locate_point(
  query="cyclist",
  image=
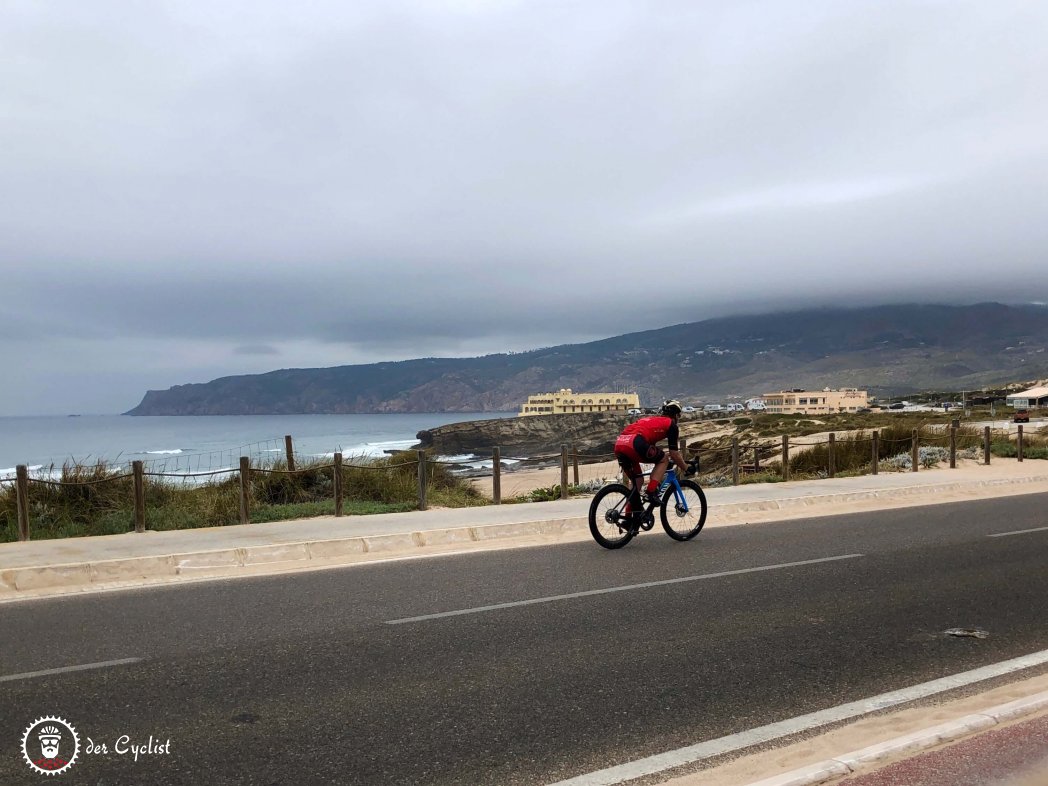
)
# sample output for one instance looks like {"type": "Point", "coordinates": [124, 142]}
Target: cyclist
{"type": "Point", "coordinates": [637, 444]}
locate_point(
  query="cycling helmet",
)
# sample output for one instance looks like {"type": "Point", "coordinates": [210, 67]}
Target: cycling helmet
{"type": "Point", "coordinates": [671, 408]}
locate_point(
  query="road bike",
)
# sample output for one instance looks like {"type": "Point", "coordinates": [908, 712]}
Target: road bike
{"type": "Point", "coordinates": [681, 504]}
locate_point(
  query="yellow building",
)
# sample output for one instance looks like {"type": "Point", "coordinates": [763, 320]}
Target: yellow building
{"type": "Point", "coordinates": [815, 402]}
{"type": "Point", "coordinates": [565, 402]}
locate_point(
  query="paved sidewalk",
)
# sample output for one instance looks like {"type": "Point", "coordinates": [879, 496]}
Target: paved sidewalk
{"type": "Point", "coordinates": [47, 567]}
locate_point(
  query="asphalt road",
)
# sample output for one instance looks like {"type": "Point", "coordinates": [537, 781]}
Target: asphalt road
{"type": "Point", "coordinates": [361, 676]}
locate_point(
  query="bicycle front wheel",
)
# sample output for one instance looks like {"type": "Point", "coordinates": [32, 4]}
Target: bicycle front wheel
{"type": "Point", "coordinates": [683, 517]}
{"type": "Point", "coordinates": [608, 522]}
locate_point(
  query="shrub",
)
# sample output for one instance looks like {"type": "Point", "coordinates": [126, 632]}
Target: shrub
{"type": "Point", "coordinates": [850, 452]}
{"type": "Point", "coordinates": [900, 461]}
{"type": "Point", "coordinates": [1004, 449]}
{"type": "Point", "coordinates": [551, 493]}
{"type": "Point", "coordinates": [715, 481]}
{"type": "Point", "coordinates": [929, 456]}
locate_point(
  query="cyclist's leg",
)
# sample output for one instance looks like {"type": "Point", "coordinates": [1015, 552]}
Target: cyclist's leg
{"type": "Point", "coordinates": [634, 473]}
{"type": "Point", "coordinates": [661, 460]}
{"type": "Point", "coordinates": [629, 462]}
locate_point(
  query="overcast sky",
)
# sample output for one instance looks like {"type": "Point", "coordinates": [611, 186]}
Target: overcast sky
{"type": "Point", "coordinates": [194, 189]}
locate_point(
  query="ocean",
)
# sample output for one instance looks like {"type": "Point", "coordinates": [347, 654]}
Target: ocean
{"type": "Point", "coordinates": [206, 443]}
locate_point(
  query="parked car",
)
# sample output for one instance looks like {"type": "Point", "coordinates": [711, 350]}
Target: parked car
{"type": "Point", "coordinates": [896, 405]}
{"type": "Point", "coordinates": [689, 409]}
{"type": "Point", "coordinates": [1021, 416]}
{"type": "Point", "coordinates": [633, 412]}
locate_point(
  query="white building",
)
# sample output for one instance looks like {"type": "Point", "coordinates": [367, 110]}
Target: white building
{"type": "Point", "coordinates": [565, 401]}
{"type": "Point", "coordinates": [815, 402]}
{"type": "Point", "coordinates": [1028, 399]}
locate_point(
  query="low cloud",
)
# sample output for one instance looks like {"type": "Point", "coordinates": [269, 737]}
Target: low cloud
{"type": "Point", "coordinates": [353, 183]}
{"type": "Point", "coordinates": [256, 349]}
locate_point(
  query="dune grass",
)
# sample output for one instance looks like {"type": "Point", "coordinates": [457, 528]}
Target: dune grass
{"type": "Point", "coordinates": [98, 499]}
{"type": "Point", "coordinates": [853, 452]}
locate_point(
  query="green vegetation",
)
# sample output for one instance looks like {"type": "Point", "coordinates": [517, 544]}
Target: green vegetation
{"type": "Point", "coordinates": [1035, 445]}
{"type": "Point", "coordinates": [853, 452]}
{"type": "Point", "coordinates": [99, 499]}
{"type": "Point", "coordinates": [550, 493]}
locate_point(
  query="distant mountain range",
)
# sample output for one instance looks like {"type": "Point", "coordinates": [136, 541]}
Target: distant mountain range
{"type": "Point", "coordinates": [888, 350]}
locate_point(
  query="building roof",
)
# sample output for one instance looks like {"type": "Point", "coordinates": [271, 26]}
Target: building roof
{"type": "Point", "coordinates": [1040, 392]}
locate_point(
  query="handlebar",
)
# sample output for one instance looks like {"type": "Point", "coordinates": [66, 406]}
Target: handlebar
{"type": "Point", "coordinates": [692, 467]}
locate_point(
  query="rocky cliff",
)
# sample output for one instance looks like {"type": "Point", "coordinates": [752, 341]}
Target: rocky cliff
{"type": "Point", "coordinates": [591, 433]}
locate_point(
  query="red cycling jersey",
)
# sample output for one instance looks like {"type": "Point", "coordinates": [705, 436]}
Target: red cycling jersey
{"type": "Point", "coordinates": [636, 443]}
{"type": "Point", "coordinates": [655, 428]}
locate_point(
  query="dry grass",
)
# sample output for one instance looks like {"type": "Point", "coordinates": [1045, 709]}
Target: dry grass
{"type": "Point", "coordinates": [98, 499]}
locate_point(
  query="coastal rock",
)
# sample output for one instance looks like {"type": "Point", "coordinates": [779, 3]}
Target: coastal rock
{"type": "Point", "coordinates": [590, 433]}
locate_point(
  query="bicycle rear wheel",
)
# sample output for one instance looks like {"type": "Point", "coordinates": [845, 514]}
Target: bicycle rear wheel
{"type": "Point", "coordinates": [608, 521]}
{"type": "Point", "coordinates": [683, 518]}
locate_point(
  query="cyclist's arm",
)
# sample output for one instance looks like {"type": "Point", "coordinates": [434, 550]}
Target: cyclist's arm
{"type": "Point", "coordinates": [673, 447]}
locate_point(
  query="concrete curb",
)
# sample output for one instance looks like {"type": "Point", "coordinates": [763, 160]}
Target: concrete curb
{"type": "Point", "coordinates": [909, 744]}
{"type": "Point", "coordinates": [233, 561]}
{"type": "Point", "coordinates": [814, 500]}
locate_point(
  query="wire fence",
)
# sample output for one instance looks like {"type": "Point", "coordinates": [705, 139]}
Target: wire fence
{"type": "Point", "coordinates": [268, 480]}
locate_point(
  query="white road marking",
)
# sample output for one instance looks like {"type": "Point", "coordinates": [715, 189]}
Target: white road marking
{"type": "Point", "coordinates": [733, 742]}
{"type": "Point", "coordinates": [1017, 532]}
{"type": "Point", "coordinates": [587, 593]}
{"type": "Point", "coordinates": [26, 675]}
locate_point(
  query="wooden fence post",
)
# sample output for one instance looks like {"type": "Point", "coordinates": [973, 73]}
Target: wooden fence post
{"type": "Point", "coordinates": [953, 443]}
{"type": "Point", "coordinates": [563, 471]}
{"type": "Point", "coordinates": [138, 471]}
{"type": "Point", "coordinates": [575, 463]}
{"type": "Point", "coordinates": [496, 476]}
{"type": "Point", "coordinates": [735, 461]}
{"type": "Point", "coordinates": [756, 459]}
{"type": "Point", "coordinates": [22, 500]}
{"type": "Point", "coordinates": [245, 489]}
{"type": "Point", "coordinates": [289, 448]}
{"type": "Point", "coordinates": [915, 451]}
{"type": "Point", "coordinates": [1019, 454]}
{"type": "Point", "coordinates": [986, 445]}
{"type": "Point", "coordinates": [785, 457]}
{"type": "Point", "coordinates": [338, 484]}
{"type": "Point", "coordinates": [832, 455]}
{"type": "Point", "coordinates": [875, 460]}
{"type": "Point", "coordinates": [422, 480]}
